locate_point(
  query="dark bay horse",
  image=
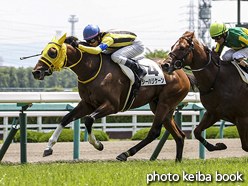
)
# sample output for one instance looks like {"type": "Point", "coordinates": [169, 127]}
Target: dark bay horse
{"type": "Point", "coordinates": [103, 89]}
{"type": "Point", "coordinates": [222, 91]}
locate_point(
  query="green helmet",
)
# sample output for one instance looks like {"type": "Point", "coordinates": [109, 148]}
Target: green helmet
{"type": "Point", "coordinates": [217, 28]}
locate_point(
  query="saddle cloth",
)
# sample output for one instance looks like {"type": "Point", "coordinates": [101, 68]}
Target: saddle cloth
{"type": "Point", "coordinates": [243, 74]}
{"type": "Point", "coordinates": [154, 76]}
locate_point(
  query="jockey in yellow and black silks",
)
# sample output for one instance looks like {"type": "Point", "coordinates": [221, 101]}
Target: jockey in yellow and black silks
{"type": "Point", "coordinates": [122, 45]}
{"type": "Point", "coordinates": [235, 38]}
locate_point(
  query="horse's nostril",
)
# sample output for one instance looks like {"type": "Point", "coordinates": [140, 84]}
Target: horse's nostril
{"type": "Point", "coordinates": [38, 74]}
{"type": "Point", "coordinates": [35, 72]}
{"type": "Point", "coordinates": [165, 66]}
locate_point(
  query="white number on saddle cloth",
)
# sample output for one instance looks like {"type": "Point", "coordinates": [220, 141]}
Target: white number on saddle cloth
{"type": "Point", "coordinates": [154, 76]}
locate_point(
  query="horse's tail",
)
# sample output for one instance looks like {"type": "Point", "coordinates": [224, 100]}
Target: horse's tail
{"type": "Point", "coordinates": [192, 81]}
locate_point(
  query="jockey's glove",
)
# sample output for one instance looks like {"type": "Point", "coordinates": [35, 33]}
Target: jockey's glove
{"type": "Point", "coordinates": [242, 62]}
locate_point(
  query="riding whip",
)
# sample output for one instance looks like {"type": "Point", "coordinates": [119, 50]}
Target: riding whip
{"type": "Point", "coordinates": [21, 58]}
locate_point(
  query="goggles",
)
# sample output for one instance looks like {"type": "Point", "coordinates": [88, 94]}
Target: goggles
{"type": "Point", "coordinates": [217, 37]}
{"type": "Point", "coordinates": [91, 41]}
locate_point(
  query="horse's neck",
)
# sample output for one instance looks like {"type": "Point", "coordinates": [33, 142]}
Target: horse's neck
{"type": "Point", "coordinates": [88, 65]}
{"type": "Point", "coordinates": [205, 77]}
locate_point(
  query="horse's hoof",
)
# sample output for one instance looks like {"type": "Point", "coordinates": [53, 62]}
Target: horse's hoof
{"type": "Point", "coordinates": [220, 146]}
{"type": "Point", "coordinates": [47, 152]}
{"type": "Point", "coordinates": [122, 157]}
{"type": "Point", "coordinates": [178, 160]}
{"type": "Point", "coordinates": [100, 148]}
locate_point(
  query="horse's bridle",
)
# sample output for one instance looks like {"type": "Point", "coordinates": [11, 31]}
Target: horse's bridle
{"type": "Point", "coordinates": [52, 67]}
{"type": "Point", "coordinates": [180, 61]}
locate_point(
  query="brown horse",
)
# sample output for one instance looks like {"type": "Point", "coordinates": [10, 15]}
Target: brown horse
{"type": "Point", "coordinates": [103, 89]}
{"type": "Point", "coordinates": [222, 91]}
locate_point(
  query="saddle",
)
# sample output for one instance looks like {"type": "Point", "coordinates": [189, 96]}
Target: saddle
{"type": "Point", "coordinates": [243, 72]}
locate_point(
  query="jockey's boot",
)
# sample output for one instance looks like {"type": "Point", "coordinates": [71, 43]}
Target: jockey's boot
{"type": "Point", "coordinates": [139, 72]}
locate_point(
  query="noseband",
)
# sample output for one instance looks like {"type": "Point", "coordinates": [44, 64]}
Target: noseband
{"type": "Point", "coordinates": [178, 63]}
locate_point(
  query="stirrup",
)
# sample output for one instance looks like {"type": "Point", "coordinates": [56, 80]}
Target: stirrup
{"type": "Point", "coordinates": [141, 72]}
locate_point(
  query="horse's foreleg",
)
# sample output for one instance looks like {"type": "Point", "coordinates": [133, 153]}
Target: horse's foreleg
{"type": "Point", "coordinates": [52, 140]}
{"type": "Point", "coordinates": [105, 109]}
{"type": "Point", "coordinates": [89, 120]}
{"type": "Point", "coordinates": [152, 135]}
{"type": "Point", "coordinates": [207, 121]}
{"type": "Point", "coordinates": [242, 126]}
{"type": "Point", "coordinates": [76, 113]}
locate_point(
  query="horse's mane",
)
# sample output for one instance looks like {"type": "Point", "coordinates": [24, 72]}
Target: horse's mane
{"type": "Point", "coordinates": [215, 54]}
{"type": "Point", "coordinates": [191, 35]}
{"type": "Point", "coordinates": [71, 39]}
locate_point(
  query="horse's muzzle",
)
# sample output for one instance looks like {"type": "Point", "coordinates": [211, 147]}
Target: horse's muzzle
{"type": "Point", "coordinates": [166, 68]}
{"type": "Point", "coordinates": [38, 74]}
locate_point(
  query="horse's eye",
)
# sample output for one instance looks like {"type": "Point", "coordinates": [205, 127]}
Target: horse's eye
{"type": "Point", "coordinates": [182, 48]}
{"type": "Point", "coordinates": [52, 53]}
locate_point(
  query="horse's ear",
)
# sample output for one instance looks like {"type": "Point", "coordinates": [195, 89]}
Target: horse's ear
{"type": "Point", "coordinates": [193, 35]}
{"type": "Point", "coordinates": [62, 39]}
{"type": "Point", "coordinates": [54, 39]}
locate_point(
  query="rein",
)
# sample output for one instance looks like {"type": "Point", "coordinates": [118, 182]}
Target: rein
{"type": "Point", "coordinates": [89, 80]}
{"type": "Point", "coordinates": [200, 69]}
{"type": "Point", "coordinates": [73, 65]}
{"type": "Point", "coordinates": [216, 77]}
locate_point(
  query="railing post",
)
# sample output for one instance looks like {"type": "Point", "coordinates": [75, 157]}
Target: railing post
{"type": "Point", "coordinates": [104, 124]}
{"type": "Point", "coordinates": [193, 126]}
{"type": "Point", "coordinates": [221, 128]}
{"type": "Point", "coordinates": [76, 139]}
{"type": "Point", "coordinates": [134, 121]}
{"type": "Point", "coordinates": [160, 145]}
{"type": "Point", "coordinates": [5, 129]}
{"type": "Point", "coordinates": [13, 130]}
{"type": "Point", "coordinates": [85, 134]}
{"type": "Point", "coordinates": [39, 122]}
{"type": "Point", "coordinates": [23, 130]}
{"type": "Point", "coordinates": [23, 136]}
{"type": "Point", "coordinates": [201, 146]}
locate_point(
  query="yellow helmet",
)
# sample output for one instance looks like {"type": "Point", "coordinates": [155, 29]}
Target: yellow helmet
{"type": "Point", "coordinates": [217, 28]}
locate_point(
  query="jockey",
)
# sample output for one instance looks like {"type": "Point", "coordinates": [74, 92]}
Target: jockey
{"type": "Point", "coordinates": [234, 38]}
{"type": "Point", "coordinates": [122, 45]}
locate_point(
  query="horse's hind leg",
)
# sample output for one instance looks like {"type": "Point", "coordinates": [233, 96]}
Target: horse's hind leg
{"type": "Point", "coordinates": [80, 111]}
{"type": "Point", "coordinates": [242, 126]}
{"type": "Point", "coordinates": [105, 109]}
{"type": "Point", "coordinates": [207, 121]}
